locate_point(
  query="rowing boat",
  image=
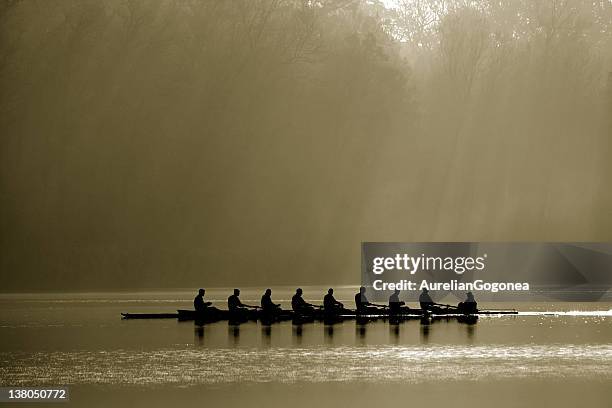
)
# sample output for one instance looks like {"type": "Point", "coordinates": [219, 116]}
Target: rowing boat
{"type": "Point", "coordinates": [215, 315]}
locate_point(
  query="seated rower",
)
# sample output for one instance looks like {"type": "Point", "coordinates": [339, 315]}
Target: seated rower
{"type": "Point", "coordinates": [235, 305]}
{"type": "Point", "coordinates": [331, 305]}
{"type": "Point", "coordinates": [426, 301]}
{"type": "Point", "coordinates": [266, 303]}
{"type": "Point", "coordinates": [299, 305]}
{"type": "Point", "coordinates": [198, 303]}
{"type": "Point", "coordinates": [362, 304]}
{"type": "Point", "coordinates": [395, 304]}
{"type": "Point", "coordinates": [469, 305]}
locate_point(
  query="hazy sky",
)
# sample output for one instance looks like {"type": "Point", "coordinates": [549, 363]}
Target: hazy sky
{"type": "Point", "coordinates": [172, 144]}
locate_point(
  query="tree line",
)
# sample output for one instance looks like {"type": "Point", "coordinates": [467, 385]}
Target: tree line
{"type": "Point", "coordinates": [159, 143]}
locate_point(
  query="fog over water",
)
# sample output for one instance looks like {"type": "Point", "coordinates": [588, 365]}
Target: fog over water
{"type": "Point", "coordinates": [164, 144]}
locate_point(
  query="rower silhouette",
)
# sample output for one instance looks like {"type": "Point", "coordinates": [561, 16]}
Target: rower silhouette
{"type": "Point", "coordinates": [363, 305]}
{"type": "Point", "coordinates": [266, 303]}
{"type": "Point", "coordinates": [299, 305]}
{"type": "Point", "coordinates": [425, 300]}
{"type": "Point", "coordinates": [469, 305]}
{"type": "Point", "coordinates": [235, 305]}
{"type": "Point", "coordinates": [395, 304]}
{"type": "Point", "coordinates": [200, 305]}
{"type": "Point", "coordinates": [331, 305]}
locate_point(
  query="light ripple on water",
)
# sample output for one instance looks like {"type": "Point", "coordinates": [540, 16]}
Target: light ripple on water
{"type": "Point", "coordinates": [190, 366]}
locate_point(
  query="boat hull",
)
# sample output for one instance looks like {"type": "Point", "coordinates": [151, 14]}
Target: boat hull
{"type": "Point", "coordinates": [215, 315]}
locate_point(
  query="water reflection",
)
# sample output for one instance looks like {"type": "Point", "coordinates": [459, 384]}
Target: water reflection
{"type": "Point", "coordinates": [365, 332]}
{"type": "Point", "coordinates": [199, 334]}
{"type": "Point", "coordinates": [234, 333]}
{"type": "Point", "coordinates": [329, 333]}
{"type": "Point", "coordinates": [297, 334]}
{"type": "Point", "coordinates": [360, 332]}
{"type": "Point", "coordinates": [470, 330]}
{"type": "Point", "coordinates": [266, 334]}
{"type": "Point", "coordinates": [425, 327]}
{"type": "Point", "coordinates": [394, 331]}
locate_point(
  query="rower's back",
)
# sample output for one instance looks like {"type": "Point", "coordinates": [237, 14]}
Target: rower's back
{"type": "Point", "coordinates": [233, 302]}
{"type": "Point", "coordinates": [394, 303]}
{"type": "Point", "coordinates": [361, 302]}
{"type": "Point", "coordinates": [266, 302]}
{"type": "Point", "coordinates": [425, 300]}
{"type": "Point", "coordinates": [297, 303]}
{"type": "Point", "coordinates": [198, 302]}
{"type": "Point", "coordinates": [329, 302]}
{"type": "Point", "coordinates": [469, 305]}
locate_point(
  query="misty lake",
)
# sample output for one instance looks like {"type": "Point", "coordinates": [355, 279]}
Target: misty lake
{"type": "Point", "coordinates": [79, 340]}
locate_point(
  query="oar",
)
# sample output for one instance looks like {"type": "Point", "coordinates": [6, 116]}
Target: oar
{"type": "Point", "coordinates": [441, 304]}
{"type": "Point", "coordinates": [383, 306]}
{"type": "Point", "coordinates": [498, 310]}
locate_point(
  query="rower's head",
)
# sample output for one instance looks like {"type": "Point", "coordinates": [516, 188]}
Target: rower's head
{"type": "Point", "coordinates": [470, 295]}
{"type": "Point", "coordinates": [299, 291]}
{"type": "Point", "coordinates": [362, 289]}
{"type": "Point", "coordinates": [237, 292]}
{"type": "Point", "coordinates": [425, 290]}
{"type": "Point", "coordinates": [330, 291]}
{"type": "Point", "coordinates": [201, 292]}
{"type": "Point", "coordinates": [397, 292]}
{"type": "Point", "coordinates": [268, 292]}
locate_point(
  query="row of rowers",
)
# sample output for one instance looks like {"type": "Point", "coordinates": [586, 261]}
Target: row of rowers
{"type": "Point", "coordinates": [331, 305]}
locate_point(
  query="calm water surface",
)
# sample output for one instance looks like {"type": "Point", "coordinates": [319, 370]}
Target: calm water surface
{"type": "Point", "coordinates": [79, 340]}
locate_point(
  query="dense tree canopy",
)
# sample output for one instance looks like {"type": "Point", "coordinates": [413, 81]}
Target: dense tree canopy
{"type": "Point", "coordinates": [174, 143]}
